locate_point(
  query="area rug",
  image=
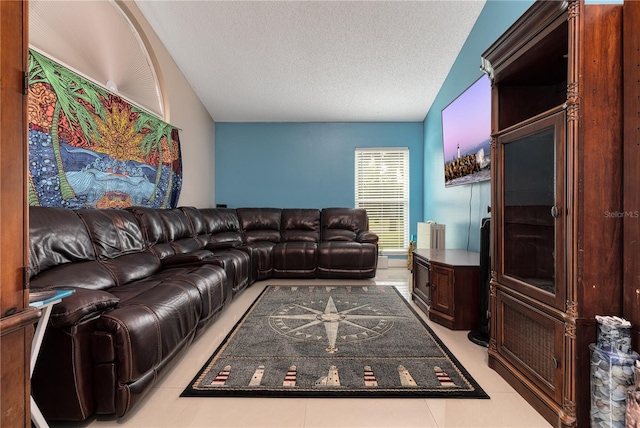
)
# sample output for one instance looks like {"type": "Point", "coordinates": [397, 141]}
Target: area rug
{"type": "Point", "coordinates": [324, 341]}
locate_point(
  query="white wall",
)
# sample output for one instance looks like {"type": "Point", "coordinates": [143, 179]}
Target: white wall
{"type": "Point", "coordinates": [182, 107]}
{"type": "Point", "coordinates": [184, 110]}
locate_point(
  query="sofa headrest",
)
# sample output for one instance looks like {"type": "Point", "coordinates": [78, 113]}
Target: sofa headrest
{"type": "Point", "coordinates": [56, 236]}
{"type": "Point", "coordinates": [343, 224]}
{"type": "Point", "coordinates": [300, 225]}
{"type": "Point", "coordinates": [150, 223]}
{"type": "Point", "coordinates": [260, 224]}
{"type": "Point", "coordinates": [196, 222]}
{"type": "Point", "coordinates": [176, 225]}
{"type": "Point", "coordinates": [218, 220]}
{"type": "Point", "coordinates": [114, 232]}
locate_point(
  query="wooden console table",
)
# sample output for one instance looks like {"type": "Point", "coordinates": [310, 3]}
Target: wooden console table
{"type": "Point", "coordinates": [446, 286]}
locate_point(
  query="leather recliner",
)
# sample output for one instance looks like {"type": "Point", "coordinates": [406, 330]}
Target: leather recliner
{"type": "Point", "coordinates": [238, 261]}
{"type": "Point", "coordinates": [108, 343]}
{"type": "Point", "coordinates": [260, 233]}
{"type": "Point", "coordinates": [348, 249]}
{"type": "Point", "coordinates": [148, 281]}
{"type": "Point", "coordinates": [296, 255]}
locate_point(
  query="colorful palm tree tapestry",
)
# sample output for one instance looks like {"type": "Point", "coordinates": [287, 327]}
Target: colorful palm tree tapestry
{"type": "Point", "coordinates": [89, 148]}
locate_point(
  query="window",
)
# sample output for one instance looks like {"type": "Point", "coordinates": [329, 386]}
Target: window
{"type": "Point", "coordinates": [382, 188]}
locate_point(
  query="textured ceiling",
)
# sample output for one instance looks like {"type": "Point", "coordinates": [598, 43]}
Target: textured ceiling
{"type": "Point", "coordinates": [314, 61]}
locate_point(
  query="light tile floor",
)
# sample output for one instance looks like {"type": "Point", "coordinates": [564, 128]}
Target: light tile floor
{"type": "Point", "coordinates": [163, 407]}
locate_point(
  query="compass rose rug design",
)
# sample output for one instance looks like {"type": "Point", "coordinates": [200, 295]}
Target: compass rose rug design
{"type": "Point", "coordinates": [332, 341]}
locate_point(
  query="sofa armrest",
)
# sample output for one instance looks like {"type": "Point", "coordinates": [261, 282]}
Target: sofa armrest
{"type": "Point", "coordinates": [367, 236]}
{"type": "Point", "coordinates": [79, 305]}
{"type": "Point", "coordinates": [187, 258]}
{"type": "Point", "coordinates": [222, 245]}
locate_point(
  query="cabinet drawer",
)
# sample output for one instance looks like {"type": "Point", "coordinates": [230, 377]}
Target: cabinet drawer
{"type": "Point", "coordinates": [533, 342]}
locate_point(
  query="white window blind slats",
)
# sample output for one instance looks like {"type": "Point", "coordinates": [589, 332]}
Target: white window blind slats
{"type": "Point", "coordinates": [382, 188]}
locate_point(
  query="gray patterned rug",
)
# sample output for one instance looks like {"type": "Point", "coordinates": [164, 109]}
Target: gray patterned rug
{"type": "Point", "coordinates": [342, 341]}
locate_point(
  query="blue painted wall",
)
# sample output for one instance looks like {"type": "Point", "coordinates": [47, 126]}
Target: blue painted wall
{"type": "Point", "coordinates": [462, 208]}
{"type": "Point", "coordinates": [290, 165]}
{"type": "Point", "coordinates": [306, 165]}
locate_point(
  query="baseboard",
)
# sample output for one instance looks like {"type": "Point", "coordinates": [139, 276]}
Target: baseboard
{"type": "Point", "coordinates": [398, 262]}
{"type": "Point", "coordinates": [385, 262]}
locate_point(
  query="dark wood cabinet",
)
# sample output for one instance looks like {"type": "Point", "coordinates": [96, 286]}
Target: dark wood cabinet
{"type": "Point", "coordinates": [442, 292]}
{"type": "Point", "coordinates": [556, 156]}
{"type": "Point", "coordinates": [16, 318]}
{"type": "Point", "coordinates": [446, 285]}
{"type": "Point", "coordinates": [631, 194]}
{"type": "Point", "coordinates": [421, 290]}
{"type": "Point", "coordinates": [533, 342]}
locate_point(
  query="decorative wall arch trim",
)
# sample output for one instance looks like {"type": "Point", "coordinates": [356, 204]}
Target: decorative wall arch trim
{"type": "Point", "coordinates": [103, 42]}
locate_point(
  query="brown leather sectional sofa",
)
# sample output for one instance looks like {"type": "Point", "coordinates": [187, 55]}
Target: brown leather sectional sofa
{"type": "Point", "coordinates": [148, 281]}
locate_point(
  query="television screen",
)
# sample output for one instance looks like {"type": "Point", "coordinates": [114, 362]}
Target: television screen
{"type": "Point", "coordinates": [466, 130]}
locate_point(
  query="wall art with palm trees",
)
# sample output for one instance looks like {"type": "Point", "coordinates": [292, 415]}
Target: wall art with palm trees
{"type": "Point", "coordinates": [89, 148]}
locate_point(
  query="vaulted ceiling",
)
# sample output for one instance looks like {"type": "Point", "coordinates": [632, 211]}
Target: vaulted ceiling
{"type": "Point", "coordinates": [270, 61]}
{"type": "Point", "coordinates": [314, 61]}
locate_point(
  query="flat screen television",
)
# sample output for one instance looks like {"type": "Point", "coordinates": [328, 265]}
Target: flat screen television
{"type": "Point", "coordinates": [466, 131]}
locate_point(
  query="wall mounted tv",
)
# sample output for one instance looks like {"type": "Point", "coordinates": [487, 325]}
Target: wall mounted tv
{"type": "Point", "coordinates": [466, 130]}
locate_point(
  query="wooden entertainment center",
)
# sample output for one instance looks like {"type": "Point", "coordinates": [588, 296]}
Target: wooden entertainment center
{"type": "Point", "coordinates": [16, 317]}
{"type": "Point", "coordinates": [446, 286]}
{"type": "Point", "coordinates": [557, 186]}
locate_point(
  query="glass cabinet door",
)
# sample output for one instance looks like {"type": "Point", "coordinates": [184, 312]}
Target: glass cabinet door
{"type": "Point", "coordinates": [533, 210]}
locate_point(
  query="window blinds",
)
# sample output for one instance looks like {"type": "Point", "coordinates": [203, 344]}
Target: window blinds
{"type": "Point", "coordinates": [382, 188]}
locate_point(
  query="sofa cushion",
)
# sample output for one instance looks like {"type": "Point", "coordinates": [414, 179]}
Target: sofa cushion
{"type": "Point", "coordinates": [259, 224]}
{"type": "Point", "coordinates": [150, 224]}
{"type": "Point", "coordinates": [260, 254]}
{"type": "Point", "coordinates": [223, 227]}
{"type": "Point", "coordinates": [91, 275]}
{"type": "Point", "coordinates": [343, 224]}
{"type": "Point", "coordinates": [300, 225]}
{"type": "Point", "coordinates": [340, 259]}
{"type": "Point", "coordinates": [295, 259]}
{"type": "Point", "coordinates": [151, 321]}
{"type": "Point", "coordinates": [209, 280]}
{"type": "Point", "coordinates": [132, 267]}
{"type": "Point", "coordinates": [159, 226]}
{"type": "Point", "coordinates": [237, 265]}
{"type": "Point", "coordinates": [119, 244]}
{"type": "Point", "coordinates": [196, 223]}
{"type": "Point", "coordinates": [178, 231]}
{"type": "Point", "coordinates": [153, 231]}
{"type": "Point", "coordinates": [57, 236]}
{"type": "Point", "coordinates": [113, 232]}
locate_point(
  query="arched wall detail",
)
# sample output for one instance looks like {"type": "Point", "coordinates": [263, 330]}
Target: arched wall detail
{"type": "Point", "coordinates": [102, 41]}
